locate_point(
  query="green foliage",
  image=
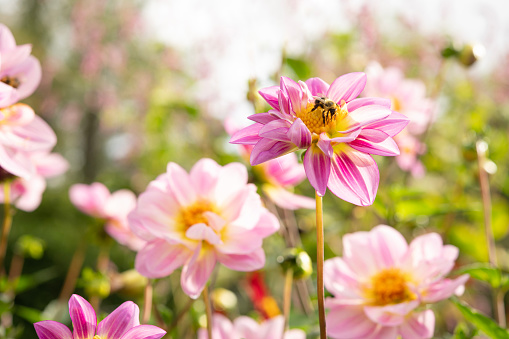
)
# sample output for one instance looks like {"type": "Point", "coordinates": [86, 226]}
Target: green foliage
{"type": "Point", "coordinates": [487, 273]}
{"type": "Point", "coordinates": [481, 322]}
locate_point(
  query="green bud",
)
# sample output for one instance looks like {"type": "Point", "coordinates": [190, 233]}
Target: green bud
{"type": "Point", "coordinates": [470, 53]}
{"type": "Point", "coordinates": [298, 260]}
{"type": "Point", "coordinates": [30, 247]}
{"type": "Point", "coordinates": [95, 283]}
{"type": "Point", "coordinates": [223, 299]}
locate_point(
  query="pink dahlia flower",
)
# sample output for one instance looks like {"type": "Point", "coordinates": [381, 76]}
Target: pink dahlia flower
{"type": "Point", "coordinates": [195, 220]}
{"type": "Point", "coordinates": [27, 193]}
{"type": "Point", "coordinates": [97, 201]}
{"type": "Point", "coordinates": [338, 131]}
{"type": "Point", "coordinates": [20, 73]}
{"type": "Point", "coordinates": [280, 176]}
{"type": "Point", "coordinates": [381, 281]}
{"type": "Point", "coordinates": [22, 133]}
{"type": "Point", "coordinates": [247, 328]}
{"type": "Point", "coordinates": [122, 323]}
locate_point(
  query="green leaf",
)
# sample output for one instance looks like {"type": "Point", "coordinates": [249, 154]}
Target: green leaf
{"type": "Point", "coordinates": [480, 321]}
{"type": "Point", "coordinates": [485, 272]}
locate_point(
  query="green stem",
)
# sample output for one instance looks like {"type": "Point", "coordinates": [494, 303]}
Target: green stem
{"type": "Point", "coordinates": [6, 226]}
{"type": "Point", "coordinates": [208, 311]}
{"type": "Point", "coordinates": [319, 265]}
{"type": "Point", "coordinates": [287, 299]}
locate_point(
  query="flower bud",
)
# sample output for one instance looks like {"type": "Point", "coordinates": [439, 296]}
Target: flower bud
{"type": "Point", "coordinates": [223, 299]}
{"type": "Point", "coordinates": [95, 283]}
{"type": "Point", "coordinates": [470, 53]}
{"type": "Point", "coordinates": [130, 283]}
{"type": "Point", "coordinates": [298, 260]}
{"type": "Point", "coordinates": [30, 247]}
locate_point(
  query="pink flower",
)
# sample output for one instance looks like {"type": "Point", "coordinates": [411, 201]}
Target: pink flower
{"type": "Point", "coordinates": [247, 328]}
{"type": "Point", "coordinates": [122, 323]}
{"type": "Point", "coordinates": [280, 175]}
{"type": "Point", "coordinates": [21, 134]}
{"type": "Point", "coordinates": [194, 220]}
{"type": "Point", "coordinates": [338, 131]}
{"type": "Point", "coordinates": [380, 282]}
{"type": "Point", "coordinates": [27, 193]}
{"type": "Point", "coordinates": [20, 73]}
{"type": "Point", "coordinates": [97, 201]}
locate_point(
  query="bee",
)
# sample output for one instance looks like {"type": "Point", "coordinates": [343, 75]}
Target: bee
{"type": "Point", "coordinates": [13, 82]}
{"type": "Point", "coordinates": [329, 108]}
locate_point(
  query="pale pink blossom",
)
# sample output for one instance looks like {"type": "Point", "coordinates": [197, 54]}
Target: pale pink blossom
{"type": "Point", "coordinates": [247, 328]}
{"type": "Point", "coordinates": [97, 201]}
{"type": "Point", "coordinates": [122, 323]}
{"type": "Point", "coordinates": [380, 282]}
{"type": "Point", "coordinates": [198, 219]}
{"type": "Point", "coordinates": [338, 131]}
{"type": "Point", "coordinates": [27, 193]}
{"type": "Point", "coordinates": [20, 73]}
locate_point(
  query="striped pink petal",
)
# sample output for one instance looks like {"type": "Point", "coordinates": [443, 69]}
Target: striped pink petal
{"type": "Point", "coordinates": [391, 125]}
{"type": "Point", "coordinates": [376, 142]}
{"type": "Point", "coordinates": [418, 326]}
{"type": "Point", "coordinates": [52, 330]}
{"type": "Point", "coordinates": [367, 115]}
{"type": "Point", "coordinates": [270, 94]}
{"type": "Point", "coordinates": [84, 320]}
{"type": "Point", "coordinates": [347, 87]}
{"type": "Point", "coordinates": [243, 262]}
{"type": "Point", "coordinates": [247, 136]}
{"type": "Point", "coordinates": [317, 165]}
{"type": "Point", "coordinates": [299, 134]}
{"type": "Point", "coordinates": [360, 102]}
{"type": "Point", "coordinates": [391, 315]}
{"type": "Point", "coordinates": [159, 258]}
{"type": "Point", "coordinates": [197, 271]}
{"type": "Point", "coordinates": [262, 118]}
{"type": "Point", "coordinates": [276, 130]}
{"type": "Point", "coordinates": [118, 322]}
{"type": "Point", "coordinates": [317, 87]}
{"type": "Point", "coordinates": [348, 322]}
{"type": "Point", "coordinates": [144, 332]}
{"type": "Point", "coordinates": [267, 149]}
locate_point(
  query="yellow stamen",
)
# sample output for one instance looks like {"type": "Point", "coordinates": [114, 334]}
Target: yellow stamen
{"type": "Point", "coordinates": [389, 286]}
{"type": "Point", "coordinates": [194, 214]}
{"type": "Point", "coordinates": [319, 119]}
{"type": "Point", "coordinates": [96, 337]}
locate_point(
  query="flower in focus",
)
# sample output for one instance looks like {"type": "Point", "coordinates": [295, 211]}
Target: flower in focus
{"type": "Point", "coordinates": [380, 282]}
{"type": "Point", "coordinates": [122, 323]}
{"type": "Point", "coordinates": [280, 176]}
{"type": "Point", "coordinates": [338, 131]}
{"type": "Point", "coordinates": [408, 96]}
{"type": "Point", "coordinates": [246, 328]}
{"type": "Point", "coordinates": [194, 220]}
{"type": "Point", "coordinates": [22, 133]}
{"type": "Point", "coordinates": [97, 201]}
{"type": "Point", "coordinates": [27, 193]}
{"type": "Point", "coordinates": [20, 73]}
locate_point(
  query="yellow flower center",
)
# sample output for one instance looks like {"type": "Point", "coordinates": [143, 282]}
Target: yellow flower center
{"type": "Point", "coordinates": [96, 337]}
{"type": "Point", "coordinates": [11, 81]}
{"type": "Point", "coordinates": [389, 286]}
{"type": "Point", "coordinates": [194, 214]}
{"type": "Point", "coordinates": [322, 115]}
{"type": "Point", "coordinates": [396, 104]}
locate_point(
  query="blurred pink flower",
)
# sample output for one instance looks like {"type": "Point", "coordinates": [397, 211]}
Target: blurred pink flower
{"type": "Point", "coordinates": [97, 201]}
{"type": "Point", "coordinates": [411, 148]}
{"type": "Point", "coordinates": [380, 282]}
{"type": "Point", "coordinates": [194, 220]}
{"type": "Point", "coordinates": [20, 73]}
{"type": "Point", "coordinates": [246, 328]}
{"type": "Point", "coordinates": [338, 131]}
{"type": "Point", "coordinates": [280, 176]}
{"type": "Point", "coordinates": [22, 133]}
{"type": "Point", "coordinates": [27, 193]}
{"type": "Point", "coordinates": [122, 323]}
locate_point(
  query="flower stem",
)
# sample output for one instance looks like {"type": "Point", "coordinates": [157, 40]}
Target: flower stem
{"type": "Point", "coordinates": [73, 272]}
{"type": "Point", "coordinates": [287, 299]}
{"type": "Point", "coordinates": [319, 265]}
{"type": "Point", "coordinates": [6, 226]}
{"type": "Point", "coordinates": [208, 310]}
{"type": "Point", "coordinates": [147, 302]}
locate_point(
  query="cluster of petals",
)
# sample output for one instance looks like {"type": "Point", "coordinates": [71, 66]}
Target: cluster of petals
{"type": "Point", "coordinates": [279, 177]}
{"type": "Point", "coordinates": [27, 193]}
{"type": "Point", "coordinates": [122, 323]}
{"type": "Point", "coordinates": [338, 147]}
{"type": "Point", "coordinates": [381, 283]}
{"type": "Point", "coordinates": [197, 219]}
{"type": "Point", "coordinates": [247, 328]}
{"type": "Point", "coordinates": [97, 201]}
{"type": "Point", "coordinates": [408, 96]}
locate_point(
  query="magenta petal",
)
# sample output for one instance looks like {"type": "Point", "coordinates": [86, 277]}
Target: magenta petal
{"type": "Point", "coordinates": [270, 94]}
{"type": "Point", "coordinates": [52, 330]}
{"type": "Point", "coordinates": [243, 262]}
{"type": "Point", "coordinates": [84, 320]}
{"type": "Point", "coordinates": [276, 130]}
{"type": "Point", "coordinates": [121, 320]}
{"type": "Point", "coordinates": [418, 326]}
{"type": "Point", "coordinates": [247, 136]}
{"type": "Point", "coordinates": [159, 258]}
{"type": "Point", "coordinates": [360, 102]}
{"type": "Point", "coordinates": [318, 167]}
{"type": "Point", "coordinates": [293, 91]}
{"type": "Point", "coordinates": [317, 87]}
{"type": "Point", "coordinates": [196, 273]}
{"type": "Point", "coordinates": [267, 149]}
{"type": "Point", "coordinates": [262, 118]}
{"type": "Point", "coordinates": [324, 143]}
{"type": "Point", "coordinates": [299, 134]}
{"type": "Point", "coordinates": [367, 115]}
{"type": "Point", "coordinates": [347, 87]}
{"type": "Point", "coordinates": [354, 177]}
{"type": "Point", "coordinates": [375, 142]}
{"type": "Point", "coordinates": [144, 332]}
{"type": "Point", "coordinates": [391, 125]}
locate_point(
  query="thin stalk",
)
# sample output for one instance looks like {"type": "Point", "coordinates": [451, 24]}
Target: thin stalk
{"type": "Point", "coordinates": [147, 302]}
{"type": "Point", "coordinates": [73, 272]}
{"type": "Point", "coordinates": [103, 261]}
{"type": "Point", "coordinates": [319, 265]}
{"type": "Point", "coordinates": [287, 299]}
{"type": "Point", "coordinates": [6, 226]}
{"type": "Point", "coordinates": [208, 310]}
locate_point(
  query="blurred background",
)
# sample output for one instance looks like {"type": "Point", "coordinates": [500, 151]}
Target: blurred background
{"type": "Point", "coordinates": [130, 85]}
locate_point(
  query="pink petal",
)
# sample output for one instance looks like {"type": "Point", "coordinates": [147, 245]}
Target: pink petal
{"type": "Point", "coordinates": [34, 136]}
{"type": "Point", "coordinates": [197, 271]}
{"type": "Point", "coordinates": [445, 288]}
{"type": "Point", "coordinates": [270, 94]}
{"type": "Point", "coordinates": [144, 332]}
{"type": "Point", "coordinates": [267, 149]}
{"type": "Point", "coordinates": [8, 96]}
{"type": "Point", "coordinates": [246, 327]}
{"type": "Point", "coordinates": [84, 320]}
{"type": "Point", "coordinates": [299, 134]}
{"type": "Point", "coordinates": [295, 334]}
{"type": "Point", "coordinates": [367, 115]}
{"type": "Point", "coordinates": [7, 41]}
{"type": "Point", "coordinates": [375, 142]}
{"type": "Point", "coordinates": [286, 199]}
{"type": "Point", "coordinates": [16, 162]}
{"type": "Point", "coordinates": [180, 184]}
{"type": "Point", "coordinates": [222, 328]}
{"type": "Point", "coordinates": [243, 262]}
{"type": "Point", "coordinates": [51, 329]}
{"type": "Point", "coordinates": [204, 176]}
{"type": "Point", "coordinates": [391, 125]}
{"type": "Point", "coordinates": [216, 222]}
{"type": "Point", "coordinates": [354, 177]}
{"type": "Point", "coordinates": [231, 180]}
{"type": "Point", "coordinates": [242, 209]}
{"type": "Point", "coordinates": [285, 170]}
{"type": "Point", "coordinates": [342, 282]}
{"type": "Point", "coordinates": [29, 75]}
{"type": "Point", "coordinates": [159, 259]}
{"type": "Point", "coordinates": [271, 326]}
{"type": "Point", "coordinates": [90, 199]}
{"type": "Point", "coordinates": [14, 56]}
{"type": "Point", "coordinates": [247, 136]}
{"type": "Point", "coordinates": [276, 130]}
{"type": "Point", "coordinates": [317, 87]}
{"type": "Point", "coordinates": [239, 241]}
{"type": "Point", "coordinates": [120, 204]}
{"type": "Point", "coordinates": [267, 224]}
{"type": "Point", "coordinates": [318, 168]}
{"type": "Point", "coordinates": [293, 91]}
{"type": "Point", "coordinates": [203, 232]}
{"type": "Point", "coordinates": [18, 115]}
{"type": "Point", "coordinates": [360, 102]}
{"type": "Point", "coordinates": [347, 87]}
{"type": "Point", "coordinates": [262, 118]}
{"type": "Point", "coordinates": [50, 165]}
{"type": "Point", "coordinates": [31, 197]}
{"type": "Point", "coordinates": [390, 315]}
{"type": "Point", "coordinates": [122, 319]}
{"type": "Point", "coordinates": [418, 326]}
{"type": "Point", "coordinates": [348, 322]}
